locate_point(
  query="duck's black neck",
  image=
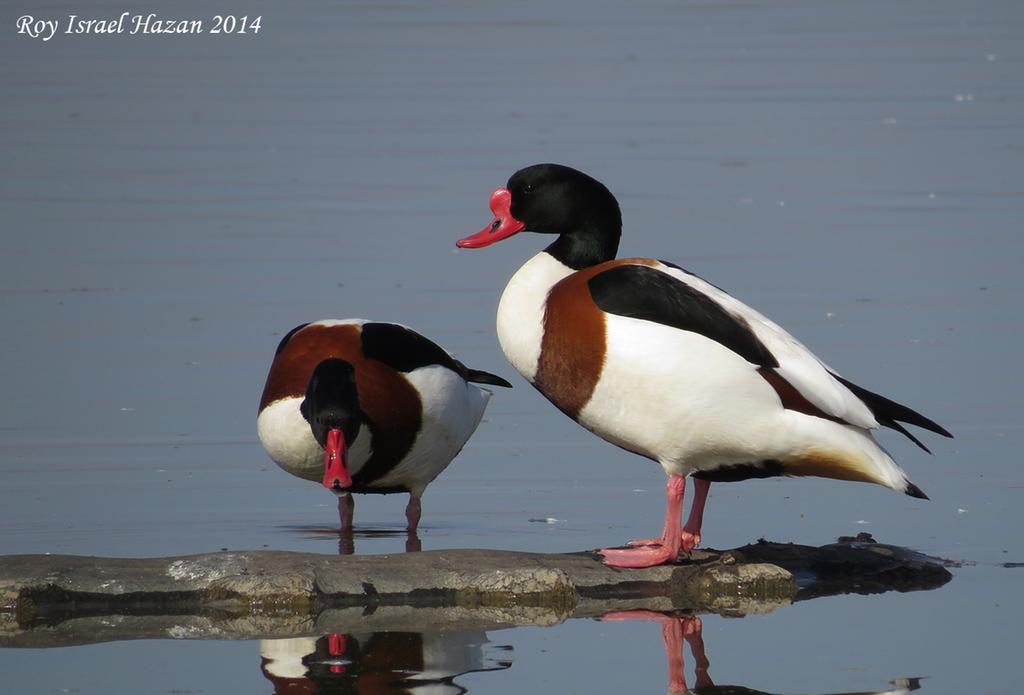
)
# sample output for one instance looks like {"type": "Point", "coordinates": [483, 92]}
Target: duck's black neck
{"type": "Point", "coordinates": [589, 244]}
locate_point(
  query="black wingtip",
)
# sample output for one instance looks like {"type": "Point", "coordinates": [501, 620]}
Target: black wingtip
{"type": "Point", "coordinates": [903, 430]}
{"type": "Point", "coordinates": [888, 412]}
{"type": "Point", "coordinates": [929, 425]}
{"type": "Point", "coordinates": [915, 491]}
{"type": "Point", "coordinates": [481, 377]}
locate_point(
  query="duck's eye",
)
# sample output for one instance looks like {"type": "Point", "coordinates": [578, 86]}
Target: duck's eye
{"type": "Point", "coordinates": [528, 188]}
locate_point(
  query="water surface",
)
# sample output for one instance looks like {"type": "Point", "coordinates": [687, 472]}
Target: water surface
{"type": "Point", "coordinates": [172, 205]}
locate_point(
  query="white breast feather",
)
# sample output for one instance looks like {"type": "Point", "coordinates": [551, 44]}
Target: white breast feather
{"type": "Point", "coordinates": [289, 441]}
{"type": "Point", "coordinates": [521, 311]}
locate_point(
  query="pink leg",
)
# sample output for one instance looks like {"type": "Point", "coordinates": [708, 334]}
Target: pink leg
{"type": "Point", "coordinates": [695, 639]}
{"type": "Point", "coordinates": [665, 550]}
{"type": "Point", "coordinates": [672, 636]}
{"type": "Point", "coordinates": [674, 630]}
{"type": "Point", "coordinates": [346, 508]}
{"type": "Point", "coordinates": [670, 521]}
{"type": "Point", "coordinates": [413, 510]}
{"type": "Point", "coordinates": [691, 532]}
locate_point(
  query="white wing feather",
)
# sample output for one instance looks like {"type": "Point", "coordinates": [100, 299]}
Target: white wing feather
{"type": "Point", "coordinates": [797, 364]}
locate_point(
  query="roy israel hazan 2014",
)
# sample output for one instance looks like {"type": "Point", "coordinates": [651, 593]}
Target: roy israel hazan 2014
{"type": "Point", "coordinates": [128, 23]}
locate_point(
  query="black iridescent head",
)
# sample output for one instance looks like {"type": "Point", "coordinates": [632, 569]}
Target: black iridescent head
{"type": "Point", "coordinates": [332, 402]}
{"type": "Point", "coordinates": [556, 199]}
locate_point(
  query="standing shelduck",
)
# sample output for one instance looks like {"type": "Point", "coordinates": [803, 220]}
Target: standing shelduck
{"type": "Point", "coordinates": [368, 407]}
{"type": "Point", "coordinates": [664, 364]}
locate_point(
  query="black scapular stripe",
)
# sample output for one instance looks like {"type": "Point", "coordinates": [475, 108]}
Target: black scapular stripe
{"type": "Point", "coordinates": [404, 350]}
{"type": "Point", "coordinates": [641, 292]}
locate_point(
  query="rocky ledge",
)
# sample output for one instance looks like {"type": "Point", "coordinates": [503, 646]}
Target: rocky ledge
{"type": "Point", "coordinates": [62, 599]}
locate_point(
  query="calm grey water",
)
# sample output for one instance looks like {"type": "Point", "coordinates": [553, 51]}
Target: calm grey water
{"type": "Point", "coordinates": [171, 205]}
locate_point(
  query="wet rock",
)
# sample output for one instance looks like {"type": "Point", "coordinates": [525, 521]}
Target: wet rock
{"type": "Point", "coordinates": [49, 599]}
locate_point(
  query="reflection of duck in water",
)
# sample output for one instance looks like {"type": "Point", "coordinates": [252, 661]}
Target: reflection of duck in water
{"type": "Point", "coordinates": [901, 686]}
{"type": "Point", "coordinates": [379, 662]}
{"type": "Point", "coordinates": [677, 629]}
